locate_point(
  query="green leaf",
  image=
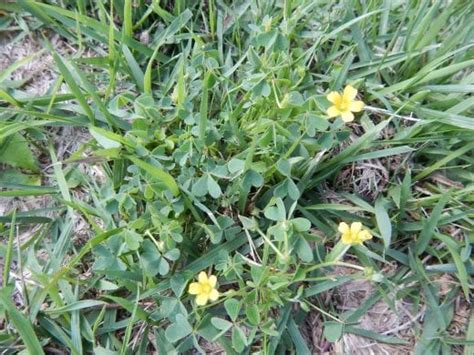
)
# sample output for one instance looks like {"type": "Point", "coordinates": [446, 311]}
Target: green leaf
{"type": "Point", "coordinates": [276, 213]}
{"type": "Point", "coordinates": [236, 166]}
{"type": "Point", "coordinates": [315, 123]}
{"type": "Point", "coordinates": [293, 191]}
{"type": "Point", "coordinates": [253, 313]}
{"type": "Point", "coordinates": [239, 339]}
{"type": "Point", "coordinates": [252, 178]}
{"type": "Point", "coordinates": [232, 306]}
{"type": "Point", "coordinates": [295, 99]}
{"type": "Point", "coordinates": [178, 284]}
{"type": "Point", "coordinates": [179, 329]}
{"type": "Point", "coordinates": [172, 254]}
{"type": "Point", "coordinates": [284, 167]}
{"type": "Point", "coordinates": [333, 331]}
{"type": "Point", "coordinates": [221, 324]}
{"type": "Point", "coordinates": [213, 187]}
{"type": "Point", "coordinates": [301, 224]}
{"type": "Point", "coordinates": [153, 261]}
{"type": "Point", "coordinates": [132, 239]}
{"type": "Point", "coordinates": [304, 250]}
{"type": "Point", "coordinates": [200, 187]}
{"type": "Point", "coordinates": [14, 151]}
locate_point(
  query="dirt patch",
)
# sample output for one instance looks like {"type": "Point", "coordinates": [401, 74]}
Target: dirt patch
{"type": "Point", "coordinates": [36, 75]}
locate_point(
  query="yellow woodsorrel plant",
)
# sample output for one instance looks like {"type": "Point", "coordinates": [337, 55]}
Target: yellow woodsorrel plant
{"type": "Point", "coordinates": [195, 166]}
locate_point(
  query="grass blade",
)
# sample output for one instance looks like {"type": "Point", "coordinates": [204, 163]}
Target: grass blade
{"type": "Point", "coordinates": [427, 232]}
{"type": "Point", "coordinates": [383, 222]}
{"type": "Point", "coordinates": [22, 325]}
{"type": "Point", "coordinates": [158, 173]}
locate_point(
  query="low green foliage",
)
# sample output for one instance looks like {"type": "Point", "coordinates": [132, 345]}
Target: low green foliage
{"type": "Point", "coordinates": [208, 121]}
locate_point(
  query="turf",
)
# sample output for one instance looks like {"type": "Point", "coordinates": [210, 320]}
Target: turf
{"type": "Point", "coordinates": [167, 138]}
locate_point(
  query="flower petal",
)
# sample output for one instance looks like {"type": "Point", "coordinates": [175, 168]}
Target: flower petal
{"type": "Point", "coordinates": [212, 281]}
{"type": "Point", "coordinates": [356, 227]}
{"type": "Point", "coordinates": [195, 288]}
{"type": "Point", "coordinates": [356, 106]}
{"type": "Point", "coordinates": [201, 299]}
{"type": "Point", "coordinates": [343, 227]}
{"type": "Point", "coordinates": [365, 235]}
{"type": "Point", "coordinates": [347, 238]}
{"type": "Point", "coordinates": [349, 93]}
{"type": "Point", "coordinates": [202, 277]}
{"type": "Point", "coordinates": [347, 116]}
{"type": "Point", "coordinates": [214, 295]}
{"type": "Point", "coordinates": [333, 111]}
{"type": "Point", "coordinates": [334, 97]}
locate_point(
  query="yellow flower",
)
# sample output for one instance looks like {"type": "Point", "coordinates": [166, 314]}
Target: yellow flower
{"type": "Point", "coordinates": [204, 289]}
{"type": "Point", "coordinates": [268, 24]}
{"type": "Point", "coordinates": [354, 234]}
{"type": "Point", "coordinates": [345, 104]}
{"type": "Point", "coordinates": [175, 95]}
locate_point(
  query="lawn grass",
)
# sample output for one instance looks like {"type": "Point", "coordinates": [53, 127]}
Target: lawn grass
{"type": "Point", "coordinates": [180, 137]}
